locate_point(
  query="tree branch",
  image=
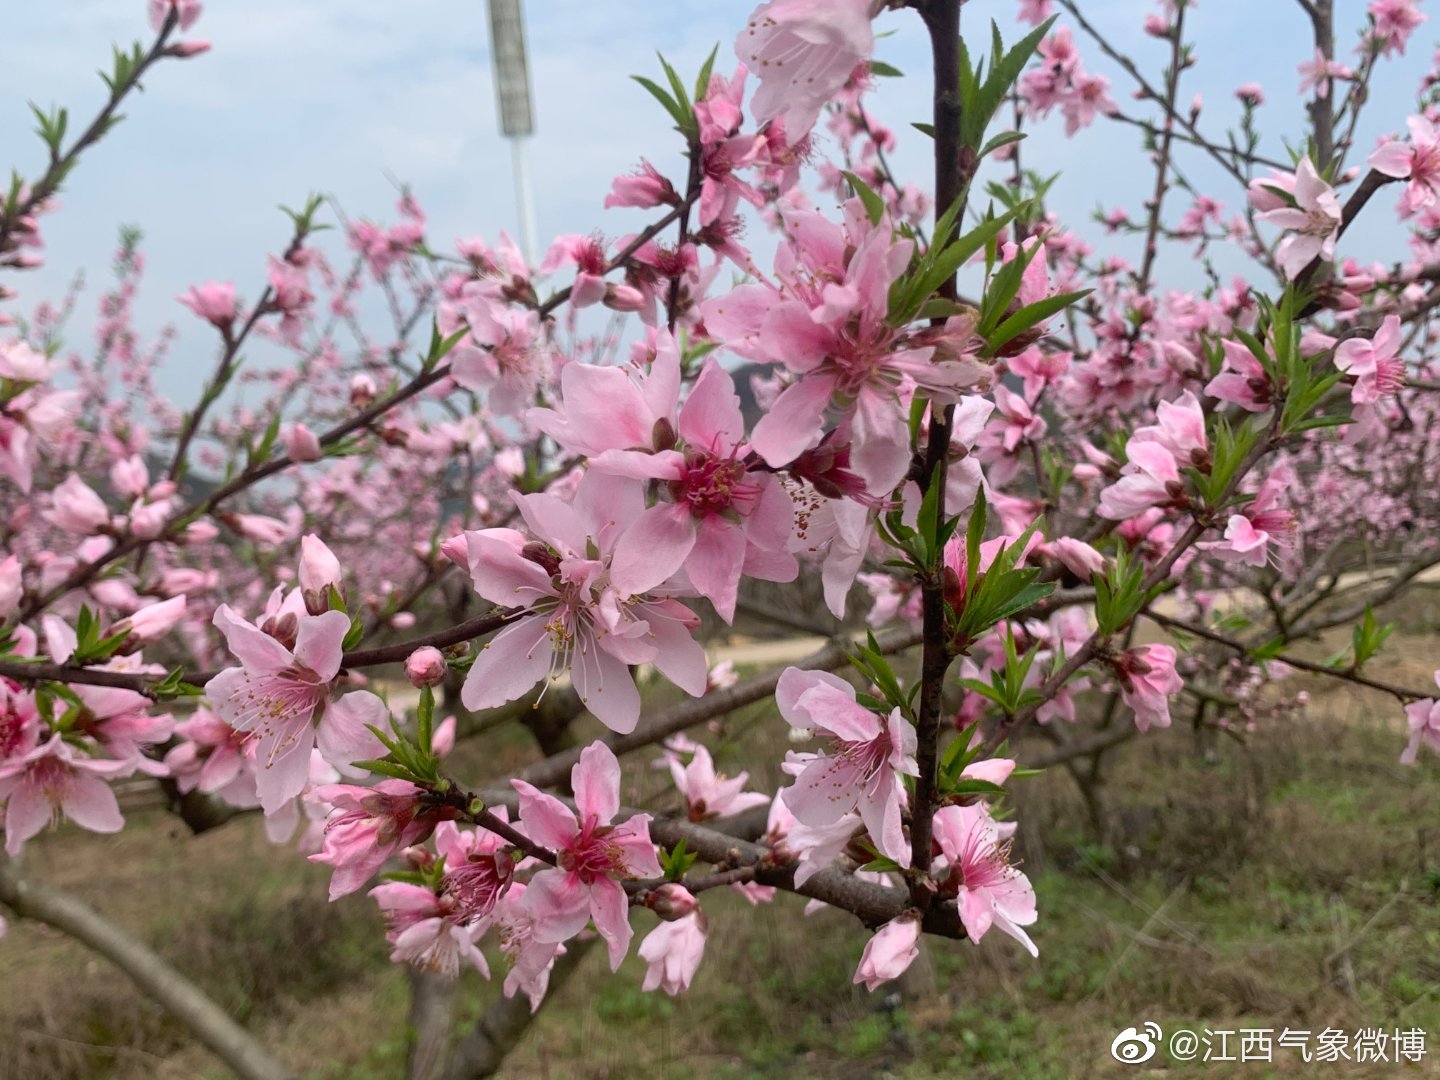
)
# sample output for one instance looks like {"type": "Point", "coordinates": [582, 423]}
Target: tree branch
{"type": "Point", "coordinates": [226, 1039]}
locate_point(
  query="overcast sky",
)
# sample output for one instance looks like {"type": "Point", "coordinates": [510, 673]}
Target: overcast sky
{"type": "Point", "coordinates": [347, 96]}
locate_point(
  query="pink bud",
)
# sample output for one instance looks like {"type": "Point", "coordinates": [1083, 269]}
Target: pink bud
{"type": "Point", "coordinates": [889, 952]}
{"type": "Point", "coordinates": [153, 621]}
{"type": "Point", "coordinates": [425, 667]}
{"type": "Point", "coordinates": [671, 901]}
{"type": "Point", "coordinates": [77, 509]}
{"type": "Point", "coordinates": [457, 550]}
{"type": "Point", "coordinates": [1250, 94]}
{"type": "Point", "coordinates": [184, 50]}
{"type": "Point", "coordinates": [319, 572]}
{"type": "Point", "coordinates": [362, 391]}
{"type": "Point", "coordinates": [130, 476]}
{"type": "Point", "coordinates": [623, 298]}
{"type": "Point", "coordinates": [200, 532]}
{"type": "Point", "coordinates": [147, 521]}
{"type": "Point", "coordinates": [301, 444]}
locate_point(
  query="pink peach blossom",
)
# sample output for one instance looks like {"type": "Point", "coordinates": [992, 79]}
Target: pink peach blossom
{"type": "Point", "coordinates": [592, 854]}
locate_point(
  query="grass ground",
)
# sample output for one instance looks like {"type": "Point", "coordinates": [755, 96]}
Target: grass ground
{"type": "Point", "coordinates": [1293, 881]}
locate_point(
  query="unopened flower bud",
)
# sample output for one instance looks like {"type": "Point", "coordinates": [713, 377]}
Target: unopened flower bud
{"type": "Point", "coordinates": [623, 298]}
{"type": "Point", "coordinates": [319, 573]}
{"type": "Point", "coordinates": [362, 391]}
{"type": "Point", "coordinates": [671, 901]}
{"type": "Point", "coordinates": [184, 50]}
{"type": "Point", "coordinates": [301, 444]}
{"type": "Point", "coordinates": [425, 667]}
{"type": "Point", "coordinates": [457, 550]}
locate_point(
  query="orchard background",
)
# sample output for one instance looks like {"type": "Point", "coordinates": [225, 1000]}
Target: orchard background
{"type": "Point", "coordinates": [966, 468]}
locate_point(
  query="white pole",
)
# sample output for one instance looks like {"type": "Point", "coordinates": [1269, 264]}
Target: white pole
{"type": "Point", "coordinates": [512, 96]}
{"type": "Point", "coordinates": [524, 202]}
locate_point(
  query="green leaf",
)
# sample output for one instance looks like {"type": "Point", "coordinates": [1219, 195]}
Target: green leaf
{"type": "Point", "coordinates": [1005, 138]}
{"type": "Point", "coordinates": [873, 203]}
{"type": "Point", "coordinates": [425, 719]}
{"type": "Point", "coordinates": [702, 81]}
{"type": "Point", "coordinates": [884, 70]}
{"type": "Point", "coordinates": [671, 106]}
{"type": "Point", "coordinates": [1030, 315]}
{"type": "Point", "coordinates": [355, 634]}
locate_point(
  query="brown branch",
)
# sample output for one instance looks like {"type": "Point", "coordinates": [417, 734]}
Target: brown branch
{"type": "Point", "coordinates": [1349, 675]}
{"type": "Point", "coordinates": [226, 1039]}
{"type": "Point", "coordinates": [145, 682]}
{"type": "Point", "coordinates": [942, 21]}
{"type": "Point", "coordinates": [60, 165]}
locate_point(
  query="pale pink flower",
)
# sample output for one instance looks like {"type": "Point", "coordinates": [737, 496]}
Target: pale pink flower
{"type": "Point", "coordinates": [1260, 523]}
{"type": "Point", "coordinates": [1242, 380]}
{"type": "Point", "coordinates": [56, 780]}
{"type": "Point", "coordinates": [574, 617]}
{"type": "Point", "coordinates": [212, 758]}
{"type": "Point", "coordinates": [987, 889]}
{"type": "Point", "coordinates": [282, 696]}
{"type": "Point", "coordinates": [504, 356]}
{"type": "Point", "coordinates": [1148, 680]}
{"type": "Point", "coordinates": [1316, 74]}
{"type": "Point", "coordinates": [1374, 363]}
{"type": "Point", "coordinates": [1395, 21]}
{"type": "Point", "coordinates": [587, 255]}
{"type": "Point", "coordinates": [365, 826]}
{"type": "Point", "coordinates": [890, 952]}
{"type": "Point", "coordinates": [186, 11]}
{"type": "Point", "coordinates": [214, 302]}
{"type": "Point", "coordinates": [427, 931]}
{"type": "Point", "coordinates": [592, 854]}
{"type": "Point", "coordinates": [1035, 12]}
{"type": "Point", "coordinates": [610, 408]}
{"type": "Point", "coordinates": [529, 959]}
{"type": "Point", "coordinates": [709, 794]}
{"type": "Point", "coordinates": [673, 950]}
{"type": "Point", "coordinates": [1424, 719]}
{"type": "Point", "coordinates": [20, 363]}
{"type": "Point", "coordinates": [826, 322]}
{"type": "Point", "coordinates": [479, 866]}
{"type": "Point", "coordinates": [644, 189]}
{"type": "Point", "coordinates": [1156, 453]}
{"type": "Point", "coordinates": [721, 518]}
{"type": "Point", "coordinates": [1312, 224]}
{"type": "Point", "coordinates": [1417, 161]}
{"type": "Point", "coordinates": [865, 758]}
{"type": "Point", "coordinates": [803, 52]}
{"type": "Point", "coordinates": [76, 508]}
{"type": "Point", "coordinates": [290, 295]}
